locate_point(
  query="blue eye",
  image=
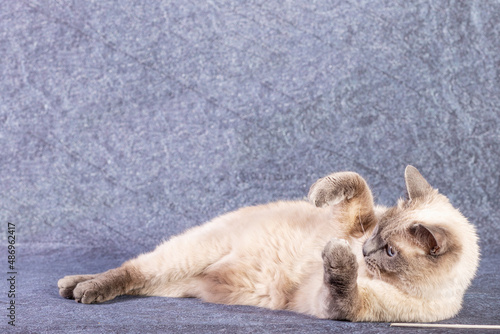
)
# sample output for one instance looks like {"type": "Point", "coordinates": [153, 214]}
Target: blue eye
{"type": "Point", "coordinates": [390, 251]}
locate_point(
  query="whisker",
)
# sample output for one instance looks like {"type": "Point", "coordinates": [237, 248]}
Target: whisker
{"type": "Point", "coordinates": [360, 223]}
{"type": "Point", "coordinates": [374, 269]}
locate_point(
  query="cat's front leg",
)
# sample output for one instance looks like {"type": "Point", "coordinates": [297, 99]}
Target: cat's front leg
{"type": "Point", "coordinates": [338, 187]}
{"type": "Point", "coordinates": [351, 197]}
{"type": "Point", "coordinates": [368, 299]}
{"type": "Point", "coordinates": [340, 277]}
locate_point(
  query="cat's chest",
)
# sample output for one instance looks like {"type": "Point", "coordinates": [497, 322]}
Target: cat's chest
{"type": "Point", "coordinates": [357, 249]}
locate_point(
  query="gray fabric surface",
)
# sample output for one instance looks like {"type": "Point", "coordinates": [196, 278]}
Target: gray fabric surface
{"type": "Point", "coordinates": [125, 122]}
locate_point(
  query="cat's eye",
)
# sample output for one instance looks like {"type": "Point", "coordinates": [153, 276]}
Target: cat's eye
{"type": "Point", "coordinates": [390, 251]}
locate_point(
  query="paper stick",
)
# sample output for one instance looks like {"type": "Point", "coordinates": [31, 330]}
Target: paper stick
{"type": "Point", "coordinates": [445, 326]}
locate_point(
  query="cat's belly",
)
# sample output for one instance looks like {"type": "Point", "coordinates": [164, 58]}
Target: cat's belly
{"type": "Point", "coordinates": [266, 269]}
{"type": "Point", "coordinates": [266, 284]}
{"type": "Point", "coordinates": [274, 250]}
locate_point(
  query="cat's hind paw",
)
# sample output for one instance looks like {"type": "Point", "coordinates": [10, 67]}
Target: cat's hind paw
{"type": "Point", "coordinates": [91, 291]}
{"type": "Point", "coordinates": [98, 288]}
{"type": "Point", "coordinates": [68, 284]}
{"type": "Point", "coordinates": [86, 289]}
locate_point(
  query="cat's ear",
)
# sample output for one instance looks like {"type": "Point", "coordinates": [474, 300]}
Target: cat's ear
{"type": "Point", "coordinates": [432, 238]}
{"type": "Point", "coordinates": [416, 185]}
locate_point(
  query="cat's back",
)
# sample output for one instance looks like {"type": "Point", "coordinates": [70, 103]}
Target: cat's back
{"type": "Point", "coordinates": [277, 224]}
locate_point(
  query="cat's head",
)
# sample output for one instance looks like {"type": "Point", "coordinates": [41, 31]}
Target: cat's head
{"type": "Point", "coordinates": [423, 245]}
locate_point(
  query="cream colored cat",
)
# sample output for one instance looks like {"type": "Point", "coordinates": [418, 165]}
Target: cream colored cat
{"type": "Point", "coordinates": [340, 257]}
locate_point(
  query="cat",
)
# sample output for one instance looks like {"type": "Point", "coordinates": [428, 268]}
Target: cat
{"type": "Point", "coordinates": [337, 256]}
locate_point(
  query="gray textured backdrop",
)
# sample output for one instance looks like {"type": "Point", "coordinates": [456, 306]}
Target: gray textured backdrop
{"type": "Point", "coordinates": [124, 122]}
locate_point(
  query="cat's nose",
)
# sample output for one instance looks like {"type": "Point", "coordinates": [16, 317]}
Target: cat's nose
{"type": "Point", "coordinates": [368, 247]}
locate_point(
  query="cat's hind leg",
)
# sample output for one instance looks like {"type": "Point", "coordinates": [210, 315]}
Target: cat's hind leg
{"type": "Point", "coordinates": [100, 287]}
{"type": "Point", "coordinates": [67, 284]}
{"type": "Point", "coordinates": [166, 271]}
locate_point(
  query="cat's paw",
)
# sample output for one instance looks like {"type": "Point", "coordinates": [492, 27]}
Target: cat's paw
{"type": "Point", "coordinates": [86, 289]}
{"type": "Point", "coordinates": [67, 284]}
{"type": "Point", "coordinates": [340, 264]}
{"type": "Point", "coordinates": [92, 291]}
{"type": "Point", "coordinates": [338, 254]}
{"type": "Point", "coordinates": [336, 188]}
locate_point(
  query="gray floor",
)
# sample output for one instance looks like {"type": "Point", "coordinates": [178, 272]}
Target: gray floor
{"type": "Point", "coordinates": [125, 122]}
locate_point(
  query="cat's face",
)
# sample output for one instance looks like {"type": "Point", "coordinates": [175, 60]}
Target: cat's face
{"type": "Point", "coordinates": [419, 242]}
{"type": "Point", "coordinates": [383, 254]}
{"type": "Point", "coordinates": [404, 250]}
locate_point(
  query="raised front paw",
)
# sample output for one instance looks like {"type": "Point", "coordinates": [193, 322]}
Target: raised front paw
{"type": "Point", "coordinates": [335, 188]}
{"type": "Point", "coordinates": [340, 265]}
